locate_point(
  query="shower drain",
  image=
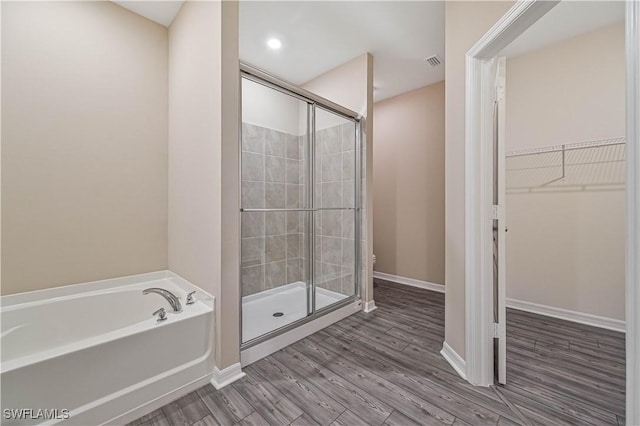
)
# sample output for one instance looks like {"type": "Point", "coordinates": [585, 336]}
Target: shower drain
{"type": "Point", "coordinates": [278, 314]}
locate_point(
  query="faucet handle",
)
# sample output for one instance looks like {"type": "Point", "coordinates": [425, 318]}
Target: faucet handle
{"type": "Point", "coordinates": [190, 300]}
{"type": "Point", "coordinates": [161, 313]}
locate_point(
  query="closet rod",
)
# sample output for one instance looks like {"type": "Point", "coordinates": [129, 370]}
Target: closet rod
{"type": "Point", "coordinates": [568, 147]}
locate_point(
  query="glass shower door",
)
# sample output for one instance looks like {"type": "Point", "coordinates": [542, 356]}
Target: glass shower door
{"type": "Point", "coordinates": [275, 209]}
{"type": "Point", "coordinates": [335, 178]}
{"type": "Point", "coordinates": [299, 197]}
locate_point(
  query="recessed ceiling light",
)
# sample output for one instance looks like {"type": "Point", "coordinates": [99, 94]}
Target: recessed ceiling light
{"type": "Point", "coordinates": [274, 43]}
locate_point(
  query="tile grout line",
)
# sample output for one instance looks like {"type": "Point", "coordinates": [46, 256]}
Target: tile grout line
{"type": "Point", "coordinates": [387, 418]}
{"type": "Point", "coordinates": [516, 411]}
{"type": "Point", "coordinates": [242, 419]}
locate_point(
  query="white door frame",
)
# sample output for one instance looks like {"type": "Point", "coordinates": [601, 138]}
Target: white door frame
{"type": "Point", "coordinates": [478, 177]}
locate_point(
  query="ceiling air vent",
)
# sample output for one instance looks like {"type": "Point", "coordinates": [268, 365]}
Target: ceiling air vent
{"type": "Point", "coordinates": [433, 61]}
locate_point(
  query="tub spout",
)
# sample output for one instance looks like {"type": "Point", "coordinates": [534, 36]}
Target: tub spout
{"type": "Point", "coordinates": [171, 298]}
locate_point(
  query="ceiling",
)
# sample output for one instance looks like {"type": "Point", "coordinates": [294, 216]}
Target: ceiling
{"type": "Point", "coordinates": [568, 19]}
{"type": "Point", "coordinates": [319, 36]}
{"type": "Point", "coordinates": [161, 12]}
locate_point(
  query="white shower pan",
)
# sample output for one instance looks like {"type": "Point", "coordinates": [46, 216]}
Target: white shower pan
{"type": "Point", "coordinates": [290, 300]}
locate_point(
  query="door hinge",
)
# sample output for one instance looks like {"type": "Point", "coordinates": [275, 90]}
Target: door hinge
{"type": "Point", "coordinates": [499, 93]}
{"type": "Point", "coordinates": [496, 330]}
{"type": "Point", "coordinates": [497, 212]}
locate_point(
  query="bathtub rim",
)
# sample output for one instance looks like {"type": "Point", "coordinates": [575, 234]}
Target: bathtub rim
{"type": "Point", "coordinates": [27, 297]}
{"type": "Point", "coordinates": [90, 342]}
{"type": "Point", "coordinates": [74, 291]}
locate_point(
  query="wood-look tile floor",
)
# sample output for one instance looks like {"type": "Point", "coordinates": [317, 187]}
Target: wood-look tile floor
{"type": "Point", "coordinates": [384, 368]}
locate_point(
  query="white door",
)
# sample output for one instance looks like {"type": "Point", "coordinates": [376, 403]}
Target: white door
{"type": "Point", "coordinates": [499, 227]}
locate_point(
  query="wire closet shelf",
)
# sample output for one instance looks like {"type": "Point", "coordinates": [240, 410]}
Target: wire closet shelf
{"type": "Point", "coordinates": [590, 165]}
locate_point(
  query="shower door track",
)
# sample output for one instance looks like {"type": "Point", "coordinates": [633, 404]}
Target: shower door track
{"type": "Point", "coordinates": [261, 77]}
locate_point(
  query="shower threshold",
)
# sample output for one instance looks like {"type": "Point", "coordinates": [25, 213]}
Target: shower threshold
{"type": "Point", "coordinates": [275, 308]}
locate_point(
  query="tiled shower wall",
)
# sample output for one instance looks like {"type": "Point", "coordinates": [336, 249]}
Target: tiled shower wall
{"type": "Point", "coordinates": [272, 178]}
{"type": "Point", "coordinates": [335, 188]}
{"type": "Point", "coordinates": [274, 175]}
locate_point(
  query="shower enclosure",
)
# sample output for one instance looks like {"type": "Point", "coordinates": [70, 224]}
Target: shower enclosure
{"type": "Point", "coordinates": [300, 194]}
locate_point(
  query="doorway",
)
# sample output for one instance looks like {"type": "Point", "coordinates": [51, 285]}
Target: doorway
{"type": "Point", "coordinates": [479, 166]}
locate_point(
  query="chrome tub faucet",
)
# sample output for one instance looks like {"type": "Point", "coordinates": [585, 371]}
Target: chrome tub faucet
{"type": "Point", "coordinates": [173, 300]}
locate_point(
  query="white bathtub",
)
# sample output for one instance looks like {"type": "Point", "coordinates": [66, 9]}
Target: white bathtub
{"type": "Point", "coordinates": [96, 350]}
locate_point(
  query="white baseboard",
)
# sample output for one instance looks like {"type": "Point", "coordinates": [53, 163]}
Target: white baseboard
{"type": "Point", "coordinates": [550, 311]}
{"type": "Point", "coordinates": [409, 281]}
{"type": "Point", "coordinates": [565, 314]}
{"type": "Point", "coordinates": [454, 360]}
{"type": "Point", "coordinates": [222, 378]}
{"type": "Point", "coordinates": [370, 306]}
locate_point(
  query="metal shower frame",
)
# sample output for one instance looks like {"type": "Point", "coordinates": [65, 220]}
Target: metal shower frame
{"type": "Point", "coordinates": [313, 101]}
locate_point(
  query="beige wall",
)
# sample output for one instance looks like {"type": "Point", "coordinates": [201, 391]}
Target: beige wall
{"type": "Point", "coordinates": [84, 144]}
{"type": "Point", "coordinates": [265, 107]}
{"type": "Point", "coordinates": [465, 23]}
{"type": "Point", "coordinates": [194, 146]}
{"type": "Point", "coordinates": [351, 85]}
{"type": "Point", "coordinates": [228, 304]}
{"type": "Point", "coordinates": [345, 85]}
{"type": "Point", "coordinates": [203, 163]}
{"type": "Point", "coordinates": [566, 248]}
{"type": "Point", "coordinates": [576, 97]}
{"type": "Point", "coordinates": [408, 175]}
